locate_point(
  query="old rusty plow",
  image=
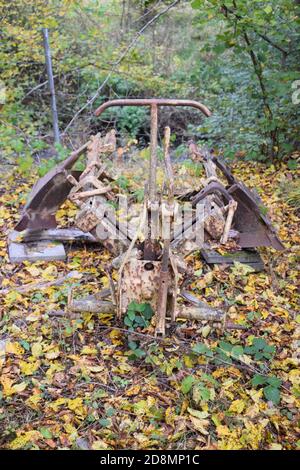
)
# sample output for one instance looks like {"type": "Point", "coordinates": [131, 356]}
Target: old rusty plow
{"type": "Point", "coordinates": [149, 251]}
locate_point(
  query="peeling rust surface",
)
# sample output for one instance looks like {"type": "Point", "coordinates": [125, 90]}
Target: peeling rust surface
{"type": "Point", "coordinates": [139, 283]}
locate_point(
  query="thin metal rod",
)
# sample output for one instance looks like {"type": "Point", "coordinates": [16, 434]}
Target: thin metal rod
{"type": "Point", "coordinates": [51, 85]}
{"type": "Point", "coordinates": [153, 153]}
{"type": "Point", "coordinates": [168, 166]}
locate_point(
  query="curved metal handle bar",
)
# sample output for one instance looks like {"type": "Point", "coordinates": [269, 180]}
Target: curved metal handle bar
{"type": "Point", "coordinates": [211, 188]}
{"type": "Point", "coordinates": [151, 102]}
{"type": "Point", "coordinates": [154, 103]}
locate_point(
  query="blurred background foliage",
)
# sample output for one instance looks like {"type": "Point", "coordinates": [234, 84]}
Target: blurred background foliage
{"type": "Point", "coordinates": [239, 57]}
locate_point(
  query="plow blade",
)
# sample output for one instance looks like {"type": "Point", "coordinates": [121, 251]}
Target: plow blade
{"type": "Point", "coordinates": [254, 227]}
{"type": "Point", "coordinates": [250, 220]}
{"type": "Point", "coordinates": [48, 194]}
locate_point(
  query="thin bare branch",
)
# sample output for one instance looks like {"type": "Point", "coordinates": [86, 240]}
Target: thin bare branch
{"type": "Point", "coordinates": [120, 59]}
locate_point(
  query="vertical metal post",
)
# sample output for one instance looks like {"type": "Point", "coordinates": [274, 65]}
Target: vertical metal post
{"type": "Point", "coordinates": [51, 85]}
{"type": "Point", "coordinates": [153, 153]}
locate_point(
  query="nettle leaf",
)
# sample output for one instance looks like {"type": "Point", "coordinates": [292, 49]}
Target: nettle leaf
{"type": "Point", "coordinates": [237, 351]}
{"type": "Point", "coordinates": [253, 316]}
{"type": "Point", "coordinates": [127, 321]}
{"type": "Point", "coordinates": [275, 382]}
{"type": "Point", "coordinates": [260, 349]}
{"type": "Point", "coordinates": [259, 380]}
{"type": "Point", "coordinates": [272, 394]}
{"type": "Point", "coordinates": [139, 353]}
{"type": "Point", "coordinates": [46, 433]}
{"type": "Point", "coordinates": [140, 307]}
{"type": "Point", "coordinates": [131, 315]}
{"type": "Point", "coordinates": [140, 321]}
{"type": "Point", "coordinates": [259, 344]}
{"type": "Point", "coordinates": [201, 348]}
{"type": "Point", "coordinates": [187, 384]}
{"type": "Point", "coordinates": [138, 315]}
{"type": "Point", "coordinates": [148, 312]}
{"type": "Point", "coordinates": [110, 411]}
{"type": "Point", "coordinates": [224, 346]}
{"type": "Point", "coordinates": [258, 356]}
{"type": "Point", "coordinates": [133, 306]}
{"type": "Point", "coordinates": [270, 348]}
{"type": "Point", "coordinates": [222, 357]}
{"type": "Point", "coordinates": [105, 422]}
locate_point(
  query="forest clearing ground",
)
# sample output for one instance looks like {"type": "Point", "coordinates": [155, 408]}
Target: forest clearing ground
{"type": "Point", "coordinates": [70, 383]}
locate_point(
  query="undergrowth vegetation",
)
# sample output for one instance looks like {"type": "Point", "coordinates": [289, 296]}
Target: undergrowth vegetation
{"type": "Point", "coordinates": [238, 57]}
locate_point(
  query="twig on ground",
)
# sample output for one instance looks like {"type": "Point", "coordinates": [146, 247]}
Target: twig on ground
{"type": "Point", "coordinates": [41, 285]}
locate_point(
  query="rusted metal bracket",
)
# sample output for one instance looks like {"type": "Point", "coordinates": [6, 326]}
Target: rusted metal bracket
{"type": "Point", "coordinates": [150, 246]}
{"type": "Point", "coordinates": [213, 187]}
{"type": "Point", "coordinates": [253, 226]}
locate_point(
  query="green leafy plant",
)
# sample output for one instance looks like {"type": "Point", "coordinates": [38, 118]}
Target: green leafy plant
{"type": "Point", "coordinates": [291, 193]}
{"type": "Point", "coordinates": [136, 352]}
{"type": "Point", "coordinates": [195, 169]}
{"type": "Point", "coordinates": [139, 195]}
{"type": "Point", "coordinates": [138, 315]}
{"type": "Point", "coordinates": [202, 349]}
{"type": "Point", "coordinates": [47, 164]}
{"type": "Point", "coordinates": [122, 182]}
{"type": "Point", "coordinates": [249, 69]}
{"type": "Point", "coordinates": [130, 120]}
{"type": "Point", "coordinates": [202, 393]}
{"type": "Point", "coordinates": [260, 349]}
{"type": "Point", "coordinates": [187, 384]}
{"type": "Point", "coordinates": [253, 316]}
{"type": "Point", "coordinates": [25, 162]}
{"type": "Point", "coordinates": [271, 386]}
{"type": "Point", "coordinates": [202, 390]}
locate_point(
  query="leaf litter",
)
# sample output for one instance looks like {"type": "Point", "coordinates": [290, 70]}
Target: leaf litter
{"type": "Point", "coordinates": [83, 382]}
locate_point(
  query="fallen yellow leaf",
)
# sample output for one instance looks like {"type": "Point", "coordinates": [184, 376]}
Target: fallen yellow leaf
{"type": "Point", "coordinates": [33, 270]}
{"type": "Point", "coordinates": [10, 389]}
{"type": "Point", "coordinates": [14, 348]}
{"type": "Point", "coordinates": [29, 368]}
{"type": "Point", "coordinates": [21, 441]}
{"type": "Point", "coordinates": [237, 406]}
{"type": "Point", "coordinates": [133, 390]}
{"type": "Point", "coordinates": [36, 349]}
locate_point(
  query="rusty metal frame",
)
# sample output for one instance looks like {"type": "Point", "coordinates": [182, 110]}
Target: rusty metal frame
{"type": "Point", "coordinates": [154, 103]}
{"type": "Point", "coordinates": [51, 191]}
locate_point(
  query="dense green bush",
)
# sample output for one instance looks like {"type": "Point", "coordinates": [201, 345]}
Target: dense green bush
{"type": "Point", "coordinates": [238, 57]}
{"type": "Point", "coordinates": [250, 65]}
